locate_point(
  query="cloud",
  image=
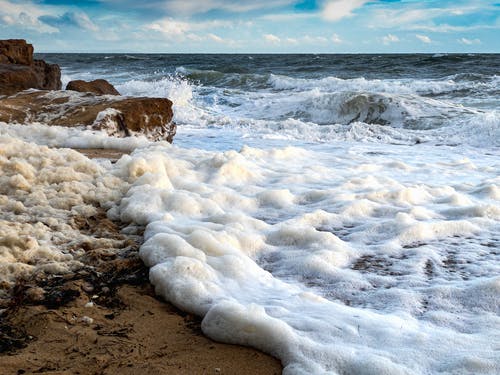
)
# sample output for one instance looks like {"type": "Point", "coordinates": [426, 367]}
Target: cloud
{"type": "Point", "coordinates": [216, 38]}
{"type": "Point", "coordinates": [287, 17]}
{"type": "Point", "coordinates": [335, 10]}
{"type": "Point", "coordinates": [469, 42]}
{"type": "Point", "coordinates": [7, 19]}
{"type": "Point", "coordinates": [389, 38]}
{"type": "Point", "coordinates": [24, 16]}
{"type": "Point", "coordinates": [423, 38]}
{"type": "Point", "coordinates": [170, 27]}
{"type": "Point", "coordinates": [197, 32]}
{"type": "Point", "coordinates": [270, 38]}
{"type": "Point", "coordinates": [70, 19]}
{"type": "Point", "coordinates": [190, 7]}
{"type": "Point", "coordinates": [431, 17]}
{"type": "Point", "coordinates": [306, 39]}
{"type": "Point", "coordinates": [389, 18]}
{"type": "Point", "coordinates": [336, 39]}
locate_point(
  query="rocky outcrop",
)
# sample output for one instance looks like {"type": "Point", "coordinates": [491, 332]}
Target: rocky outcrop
{"type": "Point", "coordinates": [98, 87]}
{"type": "Point", "coordinates": [16, 51]}
{"type": "Point", "coordinates": [117, 115]}
{"type": "Point", "coordinates": [88, 104]}
{"type": "Point", "coordinates": [19, 71]}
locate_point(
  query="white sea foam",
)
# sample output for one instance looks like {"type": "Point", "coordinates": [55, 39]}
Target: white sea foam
{"type": "Point", "coordinates": [344, 258]}
{"type": "Point", "coordinates": [42, 191]}
{"type": "Point", "coordinates": [58, 136]}
{"type": "Point", "coordinates": [362, 262]}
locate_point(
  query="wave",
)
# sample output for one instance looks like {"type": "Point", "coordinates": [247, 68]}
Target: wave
{"type": "Point", "coordinates": [225, 78]}
{"type": "Point", "coordinates": [407, 111]}
{"type": "Point", "coordinates": [424, 87]}
{"type": "Point", "coordinates": [318, 116]}
{"type": "Point", "coordinates": [457, 85]}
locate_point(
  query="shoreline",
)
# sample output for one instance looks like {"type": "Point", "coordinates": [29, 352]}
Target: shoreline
{"type": "Point", "coordinates": [104, 318]}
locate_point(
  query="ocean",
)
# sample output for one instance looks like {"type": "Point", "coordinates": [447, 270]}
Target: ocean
{"type": "Point", "coordinates": [340, 212]}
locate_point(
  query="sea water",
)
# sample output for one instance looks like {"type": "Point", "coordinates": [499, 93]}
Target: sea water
{"type": "Point", "coordinates": [340, 212]}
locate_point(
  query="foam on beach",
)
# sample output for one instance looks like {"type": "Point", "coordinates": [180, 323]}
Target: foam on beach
{"type": "Point", "coordinates": [358, 273]}
{"type": "Point", "coordinates": [43, 192]}
{"type": "Point", "coordinates": [355, 273]}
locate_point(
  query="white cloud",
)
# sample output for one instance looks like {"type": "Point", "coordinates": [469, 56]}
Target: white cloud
{"type": "Point", "coordinates": [190, 7]}
{"type": "Point", "coordinates": [335, 10]}
{"type": "Point", "coordinates": [423, 38]}
{"type": "Point", "coordinates": [272, 38]}
{"type": "Point", "coordinates": [336, 39]}
{"type": "Point", "coordinates": [287, 17]}
{"type": "Point", "coordinates": [216, 38]}
{"type": "Point", "coordinates": [85, 22]}
{"type": "Point", "coordinates": [170, 27]}
{"type": "Point", "coordinates": [306, 39]}
{"type": "Point", "coordinates": [390, 38]}
{"type": "Point", "coordinates": [469, 42]}
{"type": "Point", "coordinates": [314, 39]}
{"type": "Point", "coordinates": [194, 37]}
{"type": "Point", "coordinates": [389, 18]}
{"type": "Point", "coordinates": [26, 16]}
{"type": "Point", "coordinates": [7, 19]}
{"type": "Point", "coordinates": [175, 29]}
{"type": "Point", "coordinates": [410, 16]}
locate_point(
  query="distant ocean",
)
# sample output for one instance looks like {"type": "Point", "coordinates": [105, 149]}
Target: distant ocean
{"type": "Point", "coordinates": [341, 212]}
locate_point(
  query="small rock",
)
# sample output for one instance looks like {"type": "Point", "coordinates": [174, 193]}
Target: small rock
{"type": "Point", "coordinates": [98, 87]}
{"type": "Point", "coordinates": [87, 320]}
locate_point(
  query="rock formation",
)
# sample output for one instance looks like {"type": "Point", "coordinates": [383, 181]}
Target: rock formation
{"type": "Point", "coordinates": [19, 71]}
{"type": "Point", "coordinates": [87, 104]}
{"type": "Point", "coordinates": [98, 87]}
{"type": "Point", "coordinates": [16, 51]}
{"type": "Point", "coordinates": [118, 115]}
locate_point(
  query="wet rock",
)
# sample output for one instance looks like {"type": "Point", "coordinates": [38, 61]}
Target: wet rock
{"type": "Point", "coordinates": [16, 51]}
{"type": "Point", "coordinates": [117, 115]}
{"type": "Point", "coordinates": [98, 87]}
{"type": "Point", "coordinates": [19, 71]}
{"type": "Point", "coordinates": [48, 75]}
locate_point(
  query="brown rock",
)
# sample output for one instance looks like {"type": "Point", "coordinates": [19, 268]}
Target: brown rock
{"type": "Point", "coordinates": [18, 70]}
{"type": "Point", "coordinates": [48, 75]}
{"type": "Point", "coordinates": [98, 87]}
{"type": "Point", "coordinates": [117, 115]}
{"type": "Point", "coordinates": [16, 51]}
{"type": "Point", "coordinates": [15, 78]}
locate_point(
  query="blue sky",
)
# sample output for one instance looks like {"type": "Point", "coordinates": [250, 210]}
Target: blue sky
{"type": "Point", "coordinates": [254, 26]}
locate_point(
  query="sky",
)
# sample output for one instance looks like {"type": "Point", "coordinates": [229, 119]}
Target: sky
{"type": "Point", "coordinates": [254, 26]}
